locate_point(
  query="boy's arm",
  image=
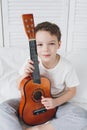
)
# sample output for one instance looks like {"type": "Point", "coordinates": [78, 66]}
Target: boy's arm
{"type": "Point", "coordinates": [50, 103]}
{"type": "Point", "coordinates": [20, 78]}
{"type": "Point", "coordinates": [69, 94]}
{"type": "Point", "coordinates": [25, 71]}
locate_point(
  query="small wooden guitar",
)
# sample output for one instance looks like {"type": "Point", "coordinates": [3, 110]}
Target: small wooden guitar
{"type": "Point", "coordinates": [30, 109]}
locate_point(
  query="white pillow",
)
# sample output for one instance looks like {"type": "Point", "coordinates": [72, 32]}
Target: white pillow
{"type": "Point", "coordinates": [11, 60]}
{"type": "Point", "coordinates": [1, 69]}
{"type": "Point", "coordinates": [79, 60]}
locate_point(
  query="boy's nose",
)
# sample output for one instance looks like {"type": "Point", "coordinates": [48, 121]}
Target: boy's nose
{"type": "Point", "coordinates": [45, 48]}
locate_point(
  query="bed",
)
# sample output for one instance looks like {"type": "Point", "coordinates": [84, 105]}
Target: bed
{"type": "Point", "coordinates": [11, 59]}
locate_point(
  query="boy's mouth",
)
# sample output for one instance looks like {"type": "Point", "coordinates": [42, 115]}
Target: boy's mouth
{"type": "Point", "coordinates": [46, 55]}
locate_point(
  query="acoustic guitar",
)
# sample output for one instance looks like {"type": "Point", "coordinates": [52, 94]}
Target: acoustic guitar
{"type": "Point", "coordinates": [31, 110]}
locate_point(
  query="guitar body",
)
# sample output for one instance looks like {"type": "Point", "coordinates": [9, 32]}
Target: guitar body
{"type": "Point", "coordinates": [32, 111]}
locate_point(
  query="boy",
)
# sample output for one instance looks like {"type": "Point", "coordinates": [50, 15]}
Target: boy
{"type": "Point", "coordinates": [63, 85]}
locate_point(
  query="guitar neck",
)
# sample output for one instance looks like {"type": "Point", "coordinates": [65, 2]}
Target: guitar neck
{"type": "Point", "coordinates": [34, 57]}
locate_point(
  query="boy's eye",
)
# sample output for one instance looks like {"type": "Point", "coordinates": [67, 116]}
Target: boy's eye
{"type": "Point", "coordinates": [39, 44]}
{"type": "Point", "coordinates": [51, 43]}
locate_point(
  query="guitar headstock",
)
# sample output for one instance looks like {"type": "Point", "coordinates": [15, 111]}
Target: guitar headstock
{"type": "Point", "coordinates": [28, 22]}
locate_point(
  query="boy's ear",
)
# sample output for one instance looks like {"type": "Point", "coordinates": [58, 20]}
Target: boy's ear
{"type": "Point", "coordinates": [59, 44]}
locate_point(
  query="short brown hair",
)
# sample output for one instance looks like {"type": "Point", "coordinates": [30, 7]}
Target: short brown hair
{"type": "Point", "coordinates": [50, 27]}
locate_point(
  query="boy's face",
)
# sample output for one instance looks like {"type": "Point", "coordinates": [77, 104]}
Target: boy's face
{"type": "Point", "coordinates": [47, 46]}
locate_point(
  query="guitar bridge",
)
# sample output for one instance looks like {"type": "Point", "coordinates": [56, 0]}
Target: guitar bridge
{"type": "Point", "coordinates": [39, 111]}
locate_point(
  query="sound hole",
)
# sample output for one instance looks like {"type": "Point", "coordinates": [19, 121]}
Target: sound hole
{"type": "Point", "coordinates": [37, 95]}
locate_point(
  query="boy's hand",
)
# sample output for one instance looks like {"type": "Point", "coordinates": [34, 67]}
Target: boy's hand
{"type": "Point", "coordinates": [28, 69]}
{"type": "Point", "coordinates": [49, 103]}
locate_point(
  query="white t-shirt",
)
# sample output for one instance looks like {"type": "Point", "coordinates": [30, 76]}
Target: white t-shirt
{"type": "Point", "coordinates": [62, 76]}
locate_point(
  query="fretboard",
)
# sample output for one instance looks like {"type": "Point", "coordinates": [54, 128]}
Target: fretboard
{"type": "Point", "coordinates": [34, 57]}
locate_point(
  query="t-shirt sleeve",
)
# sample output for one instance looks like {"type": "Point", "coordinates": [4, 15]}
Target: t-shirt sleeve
{"type": "Point", "coordinates": [71, 79]}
